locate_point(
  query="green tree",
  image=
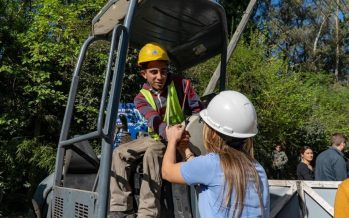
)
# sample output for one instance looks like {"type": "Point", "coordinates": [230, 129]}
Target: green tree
{"type": "Point", "coordinates": [310, 34]}
{"type": "Point", "coordinates": [292, 107]}
{"type": "Point", "coordinates": [40, 43]}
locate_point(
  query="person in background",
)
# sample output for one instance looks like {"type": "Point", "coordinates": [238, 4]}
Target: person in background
{"type": "Point", "coordinates": [341, 203]}
{"type": "Point", "coordinates": [330, 164]}
{"type": "Point", "coordinates": [305, 170]}
{"type": "Point", "coordinates": [164, 98]}
{"type": "Point", "coordinates": [231, 182]}
{"type": "Point", "coordinates": [279, 161]}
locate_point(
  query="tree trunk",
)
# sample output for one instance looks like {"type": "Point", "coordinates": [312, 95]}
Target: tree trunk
{"type": "Point", "coordinates": [318, 34]}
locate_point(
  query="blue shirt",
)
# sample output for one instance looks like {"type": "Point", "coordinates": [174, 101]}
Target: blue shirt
{"type": "Point", "coordinates": [330, 166]}
{"type": "Point", "coordinates": [207, 171]}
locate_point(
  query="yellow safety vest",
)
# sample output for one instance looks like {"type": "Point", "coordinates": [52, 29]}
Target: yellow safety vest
{"type": "Point", "coordinates": [173, 113]}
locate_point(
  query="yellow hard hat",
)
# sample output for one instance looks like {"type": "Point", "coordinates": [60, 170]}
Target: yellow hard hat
{"type": "Point", "coordinates": [152, 52]}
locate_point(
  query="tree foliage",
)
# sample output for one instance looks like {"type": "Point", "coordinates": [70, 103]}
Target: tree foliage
{"type": "Point", "coordinates": [40, 41]}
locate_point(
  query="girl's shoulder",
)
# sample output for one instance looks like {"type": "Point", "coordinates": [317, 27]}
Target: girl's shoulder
{"type": "Point", "coordinates": [208, 160]}
{"type": "Point", "coordinates": [260, 169]}
{"type": "Point", "coordinates": [212, 156]}
{"type": "Point", "coordinates": [301, 165]}
{"type": "Point", "coordinates": [209, 157]}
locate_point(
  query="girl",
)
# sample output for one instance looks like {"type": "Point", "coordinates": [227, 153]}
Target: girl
{"type": "Point", "coordinates": [304, 169]}
{"type": "Point", "coordinates": [231, 182]}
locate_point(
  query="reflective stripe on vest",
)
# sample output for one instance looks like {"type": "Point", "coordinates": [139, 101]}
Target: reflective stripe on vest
{"type": "Point", "coordinates": [173, 113]}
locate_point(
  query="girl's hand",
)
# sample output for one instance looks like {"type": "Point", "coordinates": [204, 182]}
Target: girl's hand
{"type": "Point", "coordinates": [174, 133]}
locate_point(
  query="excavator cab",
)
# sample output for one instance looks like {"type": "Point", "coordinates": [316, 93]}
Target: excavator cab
{"type": "Point", "coordinates": [192, 31]}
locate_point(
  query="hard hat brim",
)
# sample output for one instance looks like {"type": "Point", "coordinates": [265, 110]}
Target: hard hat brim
{"type": "Point", "coordinates": [224, 130]}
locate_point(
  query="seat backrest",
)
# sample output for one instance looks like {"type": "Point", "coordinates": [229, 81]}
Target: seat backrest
{"type": "Point", "coordinates": [80, 158]}
{"type": "Point", "coordinates": [80, 167]}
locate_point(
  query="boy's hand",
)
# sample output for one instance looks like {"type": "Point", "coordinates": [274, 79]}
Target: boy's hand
{"type": "Point", "coordinates": [183, 144]}
{"type": "Point", "coordinates": [175, 133]}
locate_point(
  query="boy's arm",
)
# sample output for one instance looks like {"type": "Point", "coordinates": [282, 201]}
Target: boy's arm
{"type": "Point", "coordinates": [284, 159]}
{"type": "Point", "coordinates": [194, 102]}
{"type": "Point", "coordinates": [192, 98]}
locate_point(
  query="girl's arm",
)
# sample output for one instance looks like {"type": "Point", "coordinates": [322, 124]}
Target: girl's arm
{"type": "Point", "coordinates": [170, 169]}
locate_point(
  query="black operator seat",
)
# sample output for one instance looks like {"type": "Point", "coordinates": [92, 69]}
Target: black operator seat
{"type": "Point", "coordinates": [81, 166]}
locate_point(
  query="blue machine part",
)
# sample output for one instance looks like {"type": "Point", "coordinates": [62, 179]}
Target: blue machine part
{"type": "Point", "coordinates": [136, 123]}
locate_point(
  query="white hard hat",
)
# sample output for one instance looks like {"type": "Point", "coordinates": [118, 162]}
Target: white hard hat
{"type": "Point", "coordinates": [232, 114]}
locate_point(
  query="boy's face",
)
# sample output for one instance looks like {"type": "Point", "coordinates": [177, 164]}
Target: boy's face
{"type": "Point", "coordinates": [156, 74]}
{"type": "Point", "coordinates": [278, 148]}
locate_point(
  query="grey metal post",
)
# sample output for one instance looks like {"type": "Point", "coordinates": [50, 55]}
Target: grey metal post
{"type": "Point", "coordinates": [232, 45]}
{"type": "Point", "coordinates": [115, 37]}
{"type": "Point", "coordinates": [222, 75]}
{"type": "Point", "coordinates": [301, 195]}
{"type": "Point", "coordinates": [69, 111]}
{"type": "Point", "coordinates": [113, 104]}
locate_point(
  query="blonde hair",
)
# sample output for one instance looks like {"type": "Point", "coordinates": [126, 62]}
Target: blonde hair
{"type": "Point", "coordinates": [238, 167]}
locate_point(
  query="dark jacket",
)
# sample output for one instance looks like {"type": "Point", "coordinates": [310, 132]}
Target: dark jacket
{"type": "Point", "coordinates": [304, 173]}
{"type": "Point", "coordinates": [330, 166]}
